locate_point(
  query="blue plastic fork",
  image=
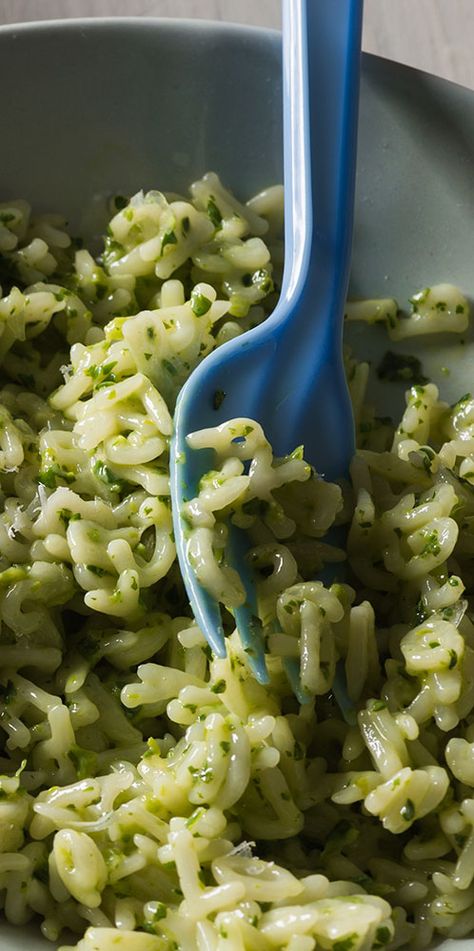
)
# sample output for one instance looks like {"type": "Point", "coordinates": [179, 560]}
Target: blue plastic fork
{"type": "Point", "coordinates": [288, 372]}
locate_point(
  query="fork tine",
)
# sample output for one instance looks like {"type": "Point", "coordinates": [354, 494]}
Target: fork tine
{"type": "Point", "coordinates": [246, 617]}
{"type": "Point", "coordinates": [251, 638]}
{"type": "Point", "coordinates": [183, 487]}
{"type": "Point", "coordinates": [208, 616]}
{"type": "Point", "coordinates": [339, 689]}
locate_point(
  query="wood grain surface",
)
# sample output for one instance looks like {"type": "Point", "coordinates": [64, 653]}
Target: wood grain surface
{"type": "Point", "coordinates": [435, 35]}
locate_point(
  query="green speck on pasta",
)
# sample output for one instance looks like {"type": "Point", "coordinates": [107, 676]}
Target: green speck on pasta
{"type": "Point", "coordinates": [200, 303]}
{"type": "Point", "coordinates": [383, 936]}
{"type": "Point", "coordinates": [376, 705]}
{"type": "Point", "coordinates": [263, 281]}
{"type": "Point", "coordinates": [169, 366]}
{"type": "Point", "coordinates": [219, 686]}
{"type": "Point", "coordinates": [431, 546]}
{"type": "Point", "coordinates": [453, 659]}
{"type": "Point", "coordinates": [159, 911]}
{"type": "Point", "coordinates": [407, 811]}
{"type": "Point", "coordinates": [105, 474]}
{"type": "Point", "coordinates": [462, 400]}
{"type": "Point", "coordinates": [401, 367]}
{"type": "Point", "coordinates": [213, 212]}
{"type": "Point", "coordinates": [168, 238]}
{"type": "Point", "coordinates": [7, 693]}
{"type": "Point", "coordinates": [345, 944]}
{"type": "Point", "coordinates": [49, 476]}
{"type": "Point", "coordinates": [195, 817]}
{"type": "Point", "coordinates": [96, 570]}
{"type": "Point", "coordinates": [84, 762]}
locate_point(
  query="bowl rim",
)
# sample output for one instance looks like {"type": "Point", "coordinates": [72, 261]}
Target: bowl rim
{"type": "Point", "coordinates": [188, 25]}
{"type": "Point", "coordinates": [184, 24]}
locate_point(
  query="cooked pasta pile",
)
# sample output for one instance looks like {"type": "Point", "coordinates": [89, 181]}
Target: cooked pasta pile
{"type": "Point", "coordinates": [154, 797]}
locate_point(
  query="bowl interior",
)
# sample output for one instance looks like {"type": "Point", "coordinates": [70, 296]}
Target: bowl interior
{"type": "Point", "coordinates": [109, 107]}
{"type": "Point", "coordinates": [118, 105]}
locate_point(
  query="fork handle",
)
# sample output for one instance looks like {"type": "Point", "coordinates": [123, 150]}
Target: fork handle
{"type": "Point", "coordinates": [320, 129]}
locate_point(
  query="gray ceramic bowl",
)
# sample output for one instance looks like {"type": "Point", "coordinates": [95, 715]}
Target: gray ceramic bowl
{"type": "Point", "coordinates": [97, 107]}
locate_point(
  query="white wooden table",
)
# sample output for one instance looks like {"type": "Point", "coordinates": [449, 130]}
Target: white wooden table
{"type": "Point", "coordinates": [436, 35]}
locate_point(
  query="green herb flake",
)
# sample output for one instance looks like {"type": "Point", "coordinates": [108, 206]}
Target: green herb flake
{"type": "Point", "coordinates": [396, 367]}
{"type": "Point", "coordinates": [169, 237]}
{"type": "Point", "coordinates": [200, 303]}
{"type": "Point", "coordinates": [383, 936]}
{"type": "Point", "coordinates": [204, 775]}
{"type": "Point", "coordinates": [298, 753]}
{"type": "Point", "coordinates": [169, 367]}
{"type": "Point", "coordinates": [84, 762]}
{"type": "Point", "coordinates": [160, 911]}
{"type": "Point", "coordinates": [102, 471]}
{"type": "Point", "coordinates": [407, 811]}
{"type": "Point", "coordinates": [262, 279]}
{"type": "Point", "coordinates": [7, 693]}
{"type": "Point", "coordinates": [65, 516]}
{"type": "Point", "coordinates": [213, 212]}
{"type": "Point", "coordinates": [462, 400]}
{"type": "Point", "coordinates": [195, 816]}
{"type": "Point", "coordinates": [219, 687]}
{"type": "Point", "coordinates": [100, 572]}
{"type": "Point", "coordinates": [432, 545]}
{"type": "Point", "coordinates": [48, 477]}
{"type": "Point", "coordinates": [345, 944]}
{"type": "Point", "coordinates": [377, 705]}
